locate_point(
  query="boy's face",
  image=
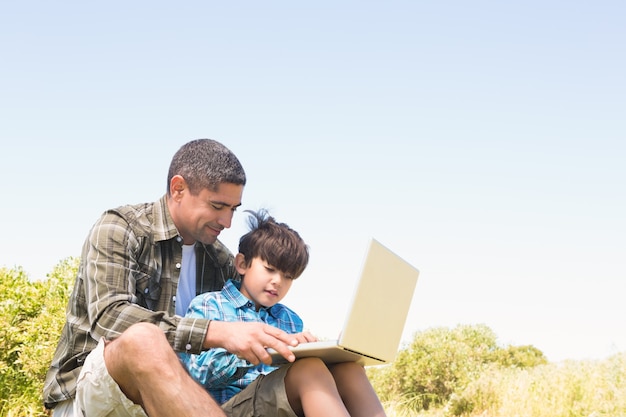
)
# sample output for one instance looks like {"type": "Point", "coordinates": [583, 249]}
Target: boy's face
{"type": "Point", "coordinates": [262, 283]}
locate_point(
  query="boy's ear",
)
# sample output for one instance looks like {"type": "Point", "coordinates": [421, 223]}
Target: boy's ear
{"type": "Point", "coordinates": [240, 264]}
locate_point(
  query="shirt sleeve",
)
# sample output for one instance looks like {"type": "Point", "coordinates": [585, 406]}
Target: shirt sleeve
{"type": "Point", "coordinates": [215, 368]}
{"type": "Point", "coordinates": [111, 274]}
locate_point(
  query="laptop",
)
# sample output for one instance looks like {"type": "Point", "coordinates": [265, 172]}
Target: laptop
{"type": "Point", "coordinates": [373, 327]}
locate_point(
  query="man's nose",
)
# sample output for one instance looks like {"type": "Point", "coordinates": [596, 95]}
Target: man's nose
{"type": "Point", "coordinates": [226, 219]}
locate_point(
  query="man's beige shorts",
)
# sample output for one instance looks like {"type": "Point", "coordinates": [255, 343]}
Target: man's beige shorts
{"type": "Point", "coordinates": [97, 394]}
{"type": "Point", "coordinates": [266, 396]}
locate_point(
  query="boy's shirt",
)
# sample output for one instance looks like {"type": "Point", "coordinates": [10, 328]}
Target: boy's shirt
{"type": "Point", "coordinates": [221, 372]}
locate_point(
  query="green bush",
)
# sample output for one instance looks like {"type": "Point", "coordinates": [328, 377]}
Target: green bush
{"type": "Point", "coordinates": [526, 356]}
{"type": "Point", "coordinates": [31, 318]}
{"type": "Point", "coordinates": [441, 362]}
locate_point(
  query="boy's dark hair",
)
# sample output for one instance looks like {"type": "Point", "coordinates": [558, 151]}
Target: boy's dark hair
{"type": "Point", "coordinates": [275, 243]}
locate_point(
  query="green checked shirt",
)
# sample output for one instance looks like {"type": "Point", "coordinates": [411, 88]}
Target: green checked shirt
{"type": "Point", "coordinates": [130, 264]}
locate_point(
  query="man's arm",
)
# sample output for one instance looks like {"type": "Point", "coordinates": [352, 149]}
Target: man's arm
{"type": "Point", "coordinates": [120, 290]}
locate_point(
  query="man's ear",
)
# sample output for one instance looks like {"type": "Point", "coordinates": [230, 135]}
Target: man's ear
{"type": "Point", "coordinates": [177, 186]}
{"type": "Point", "coordinates": [240, 264]}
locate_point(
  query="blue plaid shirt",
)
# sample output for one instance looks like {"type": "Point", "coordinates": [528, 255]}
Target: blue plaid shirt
{"type": "Point", "coordinates": [221, 372]}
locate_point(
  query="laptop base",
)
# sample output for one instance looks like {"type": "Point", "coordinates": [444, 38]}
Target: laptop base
{"type": "Point", "coordinates": [329, 352]}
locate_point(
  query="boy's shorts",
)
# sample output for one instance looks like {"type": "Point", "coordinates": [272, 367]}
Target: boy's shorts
{"type": "Point", "coordinates": [97, 394]}
{"type": "Point", "coordinates": [266, 396]}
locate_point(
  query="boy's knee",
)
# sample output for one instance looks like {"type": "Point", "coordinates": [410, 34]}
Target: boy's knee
{"type": "Point", "coordinates": [308, 369]}
{"type": "Point", "coordinates": [310, 364]}
{"type": "Point", "coordinates": [347, 370]}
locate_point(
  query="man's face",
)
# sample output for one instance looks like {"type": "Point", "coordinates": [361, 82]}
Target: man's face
{"type": "Point", "coordinates": [203, 216]}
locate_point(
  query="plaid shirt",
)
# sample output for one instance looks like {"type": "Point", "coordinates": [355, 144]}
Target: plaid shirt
{"type": "Point", "coordinates": [130, 264]}
{"type": "Point", "coordinates": [221, 372]}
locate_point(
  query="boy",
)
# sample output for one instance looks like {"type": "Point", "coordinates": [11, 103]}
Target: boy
{"type": "Point", "coordinates": [270, 257]}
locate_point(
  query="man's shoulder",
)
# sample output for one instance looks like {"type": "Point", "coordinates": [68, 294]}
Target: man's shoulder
{"type": "Point", "coordinates": [143, 219]}
{"type": "Point", "coordinates": [131, 213]}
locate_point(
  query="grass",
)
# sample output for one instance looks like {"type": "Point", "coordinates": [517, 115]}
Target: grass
{"type": "Point", "coordinates": [566, 389]}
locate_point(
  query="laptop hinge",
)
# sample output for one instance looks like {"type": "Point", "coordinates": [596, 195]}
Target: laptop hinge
{"type": "Point", "coordinates": [362, 354]}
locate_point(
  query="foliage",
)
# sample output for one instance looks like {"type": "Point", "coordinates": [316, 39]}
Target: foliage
{"type": "Point", "coordinates": [463, 372]}
{"type": "Point", "coordinates": [441, 362]}
{"type": "Point", "coordinates": [526, 356]}
{"type": "Point", "coordinates": [31, 317]}
{"type": "Point", "coordinates": [441, 373]}
{"type": "Point", "coordinates": [568, 389]}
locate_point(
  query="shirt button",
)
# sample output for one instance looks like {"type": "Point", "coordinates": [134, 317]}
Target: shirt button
{"type": "Point", "coordinates": [146, 291]}
{"type": "Point", "coordinates": [178, 265]}
{"type": "Point", "coordinates": [188, 346]}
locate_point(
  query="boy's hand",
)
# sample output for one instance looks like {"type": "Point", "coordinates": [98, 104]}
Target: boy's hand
{"type": "Point", "coordinates": [305, 337]}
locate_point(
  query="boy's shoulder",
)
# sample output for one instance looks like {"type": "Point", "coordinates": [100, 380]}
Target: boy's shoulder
{"type": "Point", "coordinates": [281, 311]}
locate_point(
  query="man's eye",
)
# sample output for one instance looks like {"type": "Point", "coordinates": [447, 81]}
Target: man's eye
{"type": "Point", "coordinates": [222, 207]}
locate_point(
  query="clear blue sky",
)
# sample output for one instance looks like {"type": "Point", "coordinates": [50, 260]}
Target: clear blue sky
{"type": "Point", "coordinates": [482, 141]}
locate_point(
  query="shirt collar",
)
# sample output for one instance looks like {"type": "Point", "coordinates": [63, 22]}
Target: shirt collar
{"type": "Point", "coordinates": [163, 225]}
{"type": "Point", "coordinates": [233, 293]}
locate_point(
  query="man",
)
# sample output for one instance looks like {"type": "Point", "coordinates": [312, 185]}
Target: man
{"type": "Point", "coordinates": [141, 264]}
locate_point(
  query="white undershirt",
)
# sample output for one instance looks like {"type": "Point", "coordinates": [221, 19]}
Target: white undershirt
{"type": "Point", "coordinates": [187, 281]}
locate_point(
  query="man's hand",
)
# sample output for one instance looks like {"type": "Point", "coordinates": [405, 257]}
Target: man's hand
{"type": "Point", "coordinates": [251, 340]}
